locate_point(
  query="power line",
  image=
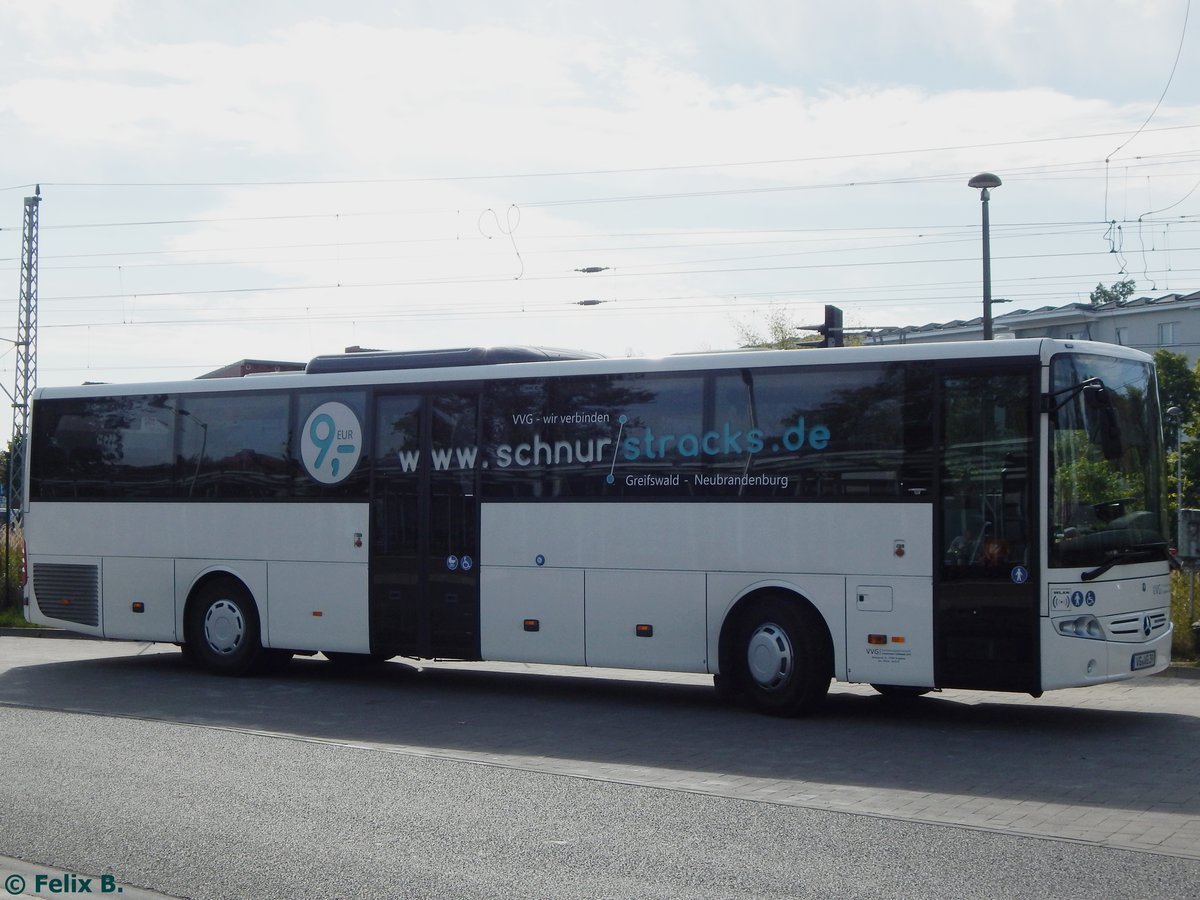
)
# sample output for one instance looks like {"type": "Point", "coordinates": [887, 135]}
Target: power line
{"type": "Point", "coordinates": [488, 307]}
{"type": "Point", "coordinates": [578, 173]}
{"type": "Point", "coordinates": [921, 236]}
{"type": "Point", "coordinates": [1170, 77]}
{"type": "Point", "coordinates": [1057, 169]}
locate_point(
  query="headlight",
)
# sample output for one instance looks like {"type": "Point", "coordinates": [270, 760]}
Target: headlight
{"type": "Point", "coordinates": [1082, 627]}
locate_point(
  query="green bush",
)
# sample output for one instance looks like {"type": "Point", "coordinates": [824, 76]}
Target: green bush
{"type": "Point", "coordinates": [1182, 645]}
{"type": "Point", "coordinates": [10, 588]}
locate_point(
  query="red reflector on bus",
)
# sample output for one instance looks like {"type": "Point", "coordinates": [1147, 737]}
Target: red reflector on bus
{"type": "Point", "coordinates": [533, 625]}
{"type": "Point", "coordinates": [897, 639]}
{"type": "Point", "coordinates": [644, 630]}
{"type": "Point", "coordinates": [318, 613]}
{"type": "Point", "coordinates": [877, 639]}
{"type": "Point", "coordinates": [138, 607]}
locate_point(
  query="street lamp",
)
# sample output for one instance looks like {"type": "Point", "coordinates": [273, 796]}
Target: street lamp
{"type": "Point", "coordinates": [985, 181]}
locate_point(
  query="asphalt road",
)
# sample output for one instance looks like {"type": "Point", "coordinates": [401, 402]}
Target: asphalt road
{"type": "Point", "coordinates": [468, 781]}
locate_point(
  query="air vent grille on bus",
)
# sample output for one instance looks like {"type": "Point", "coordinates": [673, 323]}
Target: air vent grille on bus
{"type": "Point", "coordinates": [69, 592]}
{"type": "Point", "coordinates": [1136, 623]}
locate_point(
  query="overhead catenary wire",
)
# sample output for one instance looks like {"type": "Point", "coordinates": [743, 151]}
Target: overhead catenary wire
{"type": "Point", "coordinates": [637, 170]}
{"type": "Point", "coordinates": [1078, 168]}
{"type": "Point", "coordinates": [685, 259]}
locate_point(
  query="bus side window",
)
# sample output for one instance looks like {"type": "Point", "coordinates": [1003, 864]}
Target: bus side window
{"type": "Point", "coordinates": [234, 446]}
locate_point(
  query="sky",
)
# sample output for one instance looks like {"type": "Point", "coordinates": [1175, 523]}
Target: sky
{"type": "Point", "coordinates": [276, 180]}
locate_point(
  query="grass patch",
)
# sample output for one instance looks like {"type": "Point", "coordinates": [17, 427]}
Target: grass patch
{"type": "Point", "coordinates": [1183, 647]}
{"type": "Point", "coordinates": [11, 617]}
{"type": "Point", "coordinates": [10, 577]}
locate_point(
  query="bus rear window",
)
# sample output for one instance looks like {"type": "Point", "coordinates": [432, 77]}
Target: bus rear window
{"type": "Point", "coordinates": [95, 448]}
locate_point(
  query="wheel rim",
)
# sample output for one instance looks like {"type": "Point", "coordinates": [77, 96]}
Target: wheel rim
{"type": "Point", "coordinates": [770, 657]}
{"type": "Point", "coordinates": [224, 627]}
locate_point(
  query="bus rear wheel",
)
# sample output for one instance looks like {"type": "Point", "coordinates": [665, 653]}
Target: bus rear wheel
{"type": "Point", "coordinates": [222, 628]}
{"type": "Point", "coordinates": [782, 657]}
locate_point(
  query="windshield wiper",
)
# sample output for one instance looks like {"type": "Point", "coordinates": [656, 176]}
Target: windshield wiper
{"type": "Point", "coordinates": [1103, 424]}
{"type": "Point", "coordinates": [1071, 392]}
{"type": "Point", "coordinates": [1122, 556]}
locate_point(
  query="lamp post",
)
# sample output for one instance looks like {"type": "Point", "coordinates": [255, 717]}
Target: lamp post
{"type": "Point", "coordinates": [1175, 414]}
{"type": "Point", "coordinates": [985, 181]}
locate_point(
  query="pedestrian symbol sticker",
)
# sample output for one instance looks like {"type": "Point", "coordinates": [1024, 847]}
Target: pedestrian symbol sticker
{"type": "Point", "coordinates": [1020, 574]}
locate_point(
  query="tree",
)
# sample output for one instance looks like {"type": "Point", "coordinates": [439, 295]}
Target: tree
{"type": "Point", "coordinates": [1119, 291]}
{"type": "Point", "coordinates": [6, 454]}
{"type": "Point", "coordinates": [780, 333]}
{"type": "Point", "coordinates": [1177, 386]}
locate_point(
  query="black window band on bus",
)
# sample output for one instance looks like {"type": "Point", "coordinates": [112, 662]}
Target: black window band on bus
{"type": "Point", "coordinates": [103, 448]}
{"type": "Point", "coordinates": [189, 447]}
{"type": "Point", "coordinates": [846, 432]}
{"type": "Point", "coordinates": [850, 432]}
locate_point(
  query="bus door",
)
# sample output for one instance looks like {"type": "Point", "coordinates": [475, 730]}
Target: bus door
{"type": "Point", "coordinates": [986, 610]}
{"type": "Point", "coordinates": [425, 525]}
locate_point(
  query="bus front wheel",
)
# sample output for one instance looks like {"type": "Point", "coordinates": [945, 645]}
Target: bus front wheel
{"type": "Point", "coordinates": [222, 628]}
{"type": "Point", "coordinates": [782, 657]}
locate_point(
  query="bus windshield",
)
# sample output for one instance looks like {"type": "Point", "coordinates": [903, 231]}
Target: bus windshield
{"type": "Point", "coordinates": [1107, 479]}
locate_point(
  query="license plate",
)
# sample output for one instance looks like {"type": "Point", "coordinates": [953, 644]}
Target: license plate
{"type": "Point", "coordinates": [1142, 660]}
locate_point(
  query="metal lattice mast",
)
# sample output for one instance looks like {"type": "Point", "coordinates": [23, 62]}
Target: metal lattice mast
{"type": "Point", "coordinates": [26, 345]}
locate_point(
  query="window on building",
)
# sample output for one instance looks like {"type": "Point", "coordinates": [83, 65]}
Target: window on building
{"type": "Point", "coordinates": [1168, 334]}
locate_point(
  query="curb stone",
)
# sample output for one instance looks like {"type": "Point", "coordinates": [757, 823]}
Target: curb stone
{"type": "Point", "coordinates": [48, 633]}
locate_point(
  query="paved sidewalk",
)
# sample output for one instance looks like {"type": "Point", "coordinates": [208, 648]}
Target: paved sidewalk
{"type": "Point", "coordinates": [1114, 765]}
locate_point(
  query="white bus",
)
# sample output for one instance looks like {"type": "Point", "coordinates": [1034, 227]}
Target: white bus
{"type": "Point", "coordinates": [983, 515]}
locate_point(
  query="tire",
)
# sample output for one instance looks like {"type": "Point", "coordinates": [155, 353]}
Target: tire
{"type": "Point", "coordinates": [782, 656]}
{"type": "Point", "coordinates": [222, 628]}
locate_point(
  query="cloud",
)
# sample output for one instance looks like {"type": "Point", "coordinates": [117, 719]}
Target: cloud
{"type": "Point", "coordinates": [52, 21]}
{"type": "Point", "coordinates": [391, 134]}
